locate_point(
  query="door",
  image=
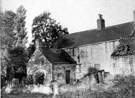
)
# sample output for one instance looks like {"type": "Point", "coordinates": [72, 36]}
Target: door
{"type": "Point", "coordinates": [67, 76]}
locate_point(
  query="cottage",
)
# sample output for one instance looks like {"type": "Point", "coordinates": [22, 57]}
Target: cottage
{"type": "Point", "coordinates": [54, 64]}
{"type": "Point", "coordinates": [124, 56]}
{"type": "Point", "coordinates": [93, 48]}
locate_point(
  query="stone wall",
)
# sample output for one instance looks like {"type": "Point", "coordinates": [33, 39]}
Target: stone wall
{"type": "Point", "coordinates": [93, 55]}
{"type": "Point", "coordinates": [41, 65]}
{"type": "Point", "coordinates": [124, 64]}
{"type": "Point", "coordinates": [59, 72]}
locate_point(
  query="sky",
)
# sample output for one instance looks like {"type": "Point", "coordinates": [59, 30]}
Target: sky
{"type": "Point", "coordinates": [76, 15]}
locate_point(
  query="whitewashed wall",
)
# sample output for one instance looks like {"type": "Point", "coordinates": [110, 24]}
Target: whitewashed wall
{"type": "Point", "coordinates": [94, 55]}
{"type": "Point", "coordinates": [124, 64]}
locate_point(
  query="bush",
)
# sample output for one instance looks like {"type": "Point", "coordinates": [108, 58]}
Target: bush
{"type": "Point", "coordinates": [125, 86]}
{"type": "Point", "coordinates": [3, 81]}
{"type": "Point", "coordinates": [29, 80]}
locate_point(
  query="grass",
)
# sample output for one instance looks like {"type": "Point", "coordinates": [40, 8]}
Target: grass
{"type": "Point", "coordinates": [25, 95]}
{"type": "Point", "coordinates": [77, 94]}
{"type": "Point", "coordinates": [124, 87]}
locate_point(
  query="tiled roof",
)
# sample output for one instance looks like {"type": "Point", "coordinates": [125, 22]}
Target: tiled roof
{"type": "Point", "coordinates": [126, 47]}
{"type": "Point", "coordinates": [95, 36]}
{"type": "Point", "coordinates": [58, 56]}
{"type": "Point", "coordinates": [55, 56]}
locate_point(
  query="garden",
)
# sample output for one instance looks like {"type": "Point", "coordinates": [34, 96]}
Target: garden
{"type": "Point", "coordinates": [123, 87]}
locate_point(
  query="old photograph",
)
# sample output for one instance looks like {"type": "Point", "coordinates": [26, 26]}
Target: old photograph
{"type": "Point", "coordinates": [67, 48]}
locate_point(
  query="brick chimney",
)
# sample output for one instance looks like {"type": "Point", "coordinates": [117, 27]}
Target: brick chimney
{"type": "Point", "coordinates": [100, 23]}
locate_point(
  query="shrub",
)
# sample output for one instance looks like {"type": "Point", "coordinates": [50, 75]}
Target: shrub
{"type": "Point", "coordinates": [29, 80]}
{"type": "Point", "coordinates": [125, 86]}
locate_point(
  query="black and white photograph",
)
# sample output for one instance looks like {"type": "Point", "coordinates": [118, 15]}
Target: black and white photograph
{"type": "Point", "coordinates": [67, 48]}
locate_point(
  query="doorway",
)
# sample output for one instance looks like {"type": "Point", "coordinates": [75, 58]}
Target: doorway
{"type": "Point", "coordinates": [67, 76]}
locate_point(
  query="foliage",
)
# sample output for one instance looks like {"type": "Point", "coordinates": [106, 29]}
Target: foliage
{"type": "Point", "coordinates": [7, 25]}
{"type": "Point", "coordinates": [12, 28]}
{"type": "Point", "coordinates": [29, 80]}
{"type": "Point", "coordinates": [125, 86]}
{"type": "Point", "coordinates": [17, 62]}
{"type": "Point", "coordinates": [20, 29]}
{"type": "Point", "coordinates": [46, 29]}
{"type": "Point", "coordinates": [7, 38]}
{"type": "Point", "coordinates": [39, 78]}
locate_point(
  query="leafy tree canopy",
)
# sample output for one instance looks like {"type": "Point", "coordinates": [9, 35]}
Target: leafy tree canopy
{"type": "Point", "coordinates": [17, 62]}
{"type": "Point", "coordinates": [7, 25]}
{"type": "Point", "coordinates": [12, 34]}
{"type": "Point", "coordinates": [20, 30]}
{"type": "Point", "coordinates": [47, 29]}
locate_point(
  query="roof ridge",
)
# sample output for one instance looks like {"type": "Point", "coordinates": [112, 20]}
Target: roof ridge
{"type": "Point", "coordinates": [104, 28]}
{"type": "Point", "coordinates": [114, 32]}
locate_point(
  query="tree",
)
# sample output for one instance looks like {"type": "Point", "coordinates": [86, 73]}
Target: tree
{"type": "Point", "coordinates": [46, 29]}
{"type": "Point", "coordinates": [17, 63]}
{"type": "Point", "coordinates": [7, 26]}
{"type": "Point", "coordinates": [17, 59]}
{"type": "Point", "coordinates": [20, 30]}
{"type": "Point", "coordinates": [12, 28]}
{"type": "Point", "coordinates": [7, 38]}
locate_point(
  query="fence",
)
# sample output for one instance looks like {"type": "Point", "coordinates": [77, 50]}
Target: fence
{"type": "Point", "coordinates": [16, 83]}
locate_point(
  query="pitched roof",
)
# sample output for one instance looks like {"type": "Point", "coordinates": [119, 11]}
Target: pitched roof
{"type": "Point", "coordinates": [55, 56]}
{"type": "Point", "coordinates": [94, 35]}
{"type": "Point", "coordinates": [126, 47]}
{"type": "Point", "coordinates": [58, 56]}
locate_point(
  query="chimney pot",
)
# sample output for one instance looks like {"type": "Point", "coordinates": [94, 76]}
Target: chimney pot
{"type": "Point", "coordinates": [100, 22]}
{"type": "Point", "coordinates": [100, 16]}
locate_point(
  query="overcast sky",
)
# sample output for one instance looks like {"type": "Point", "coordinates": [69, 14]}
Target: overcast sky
{"type": "Point", "coordinates": [76, 15]}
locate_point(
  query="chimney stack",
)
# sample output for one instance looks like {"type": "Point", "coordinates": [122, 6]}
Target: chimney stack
{"type": "Point", "coordinates": [100, 23]}
{"type": "Point", "coordinates": [37, 44]}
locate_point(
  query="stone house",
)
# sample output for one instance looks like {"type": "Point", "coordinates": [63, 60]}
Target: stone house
{"type": "Point", "coordinates": [55, 64]}
{"type": "Point", "coordinates": [124, 56]}
{"type": "Point", "coordinates": [93, 48]}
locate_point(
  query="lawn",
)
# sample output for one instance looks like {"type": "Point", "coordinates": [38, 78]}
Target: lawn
{"type": "Point", "coordinates": [25, 95]}
{"type": "Point", "coordinates": [124, 87]}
